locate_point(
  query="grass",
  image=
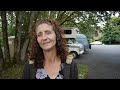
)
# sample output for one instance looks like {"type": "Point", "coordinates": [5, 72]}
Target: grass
{"type": "Point", "coordinates": [15, 72]}
{"type": "Point", "coordinates": [82, 70]}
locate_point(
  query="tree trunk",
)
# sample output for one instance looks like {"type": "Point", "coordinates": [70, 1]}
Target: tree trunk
{"type": "Point", "coordinates": [17, 44]}
{"type": "Point", "coordinates": [26, 43]}
{"type": "Point", "coordinates": [24, 50]}
{"type": "Point", "coordinates": [5, 39]}
{"type": "Point", "coordinates": [1, 58]}
{"type": "Point", "coordinates": [15, 40]}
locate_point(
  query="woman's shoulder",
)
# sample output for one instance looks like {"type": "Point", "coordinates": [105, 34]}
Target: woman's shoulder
{"type": "Point", "coordinates": [29, 70]}
{"type": "Point", "coordinates": [29, 64]}
{"type": "Point", "coordinates": [74, 63]}
{"type": "Point", "coordinates": [70, 70]}
{"type": "Point", "coordinates": [74, 70]}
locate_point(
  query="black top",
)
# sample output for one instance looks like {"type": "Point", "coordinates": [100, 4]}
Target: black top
{"type": "Point", "coordinates": [42, 74]}
{"type": "Point", "coordinates": [69, 71]}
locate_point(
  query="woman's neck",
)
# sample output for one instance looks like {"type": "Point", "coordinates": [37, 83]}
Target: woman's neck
{"type": "Point", "coordinates": [50, 56]}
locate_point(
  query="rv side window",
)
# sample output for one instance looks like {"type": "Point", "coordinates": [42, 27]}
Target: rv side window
{"type": "Point", "coordinates": [78, 31]}
{"type": "Point", "coordinates": [67, 32]}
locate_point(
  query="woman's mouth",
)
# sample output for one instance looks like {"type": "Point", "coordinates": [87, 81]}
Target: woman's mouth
{"type": "Point", "coordinates": [46, 43]}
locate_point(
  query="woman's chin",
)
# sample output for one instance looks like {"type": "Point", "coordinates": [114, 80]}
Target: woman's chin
{"type": "Point", "coordinates": [47, 49]}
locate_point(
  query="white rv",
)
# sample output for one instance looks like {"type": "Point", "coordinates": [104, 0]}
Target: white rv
{"type": "Point", "coordinates": [74, 47]}
{"type": "Point", "coordinates": [77, 38]}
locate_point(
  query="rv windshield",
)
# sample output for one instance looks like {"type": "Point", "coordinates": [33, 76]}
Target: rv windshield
{"type": "Point", "coordinates": [82, 40]}
{"type": "Point", "coordinates": [70, 40]}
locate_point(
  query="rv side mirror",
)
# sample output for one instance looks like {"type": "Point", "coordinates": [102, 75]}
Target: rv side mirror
{"type": "Point", "coordinates": [70, 42]}
{"type": "Point", "coordinates": [89, 46]}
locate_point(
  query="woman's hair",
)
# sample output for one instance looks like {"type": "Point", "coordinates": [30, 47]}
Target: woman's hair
{"type": "Point", "coordinates": [36, 52]}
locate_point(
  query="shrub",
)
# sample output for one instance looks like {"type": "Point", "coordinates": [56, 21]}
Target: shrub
{"type": "Point", "coordinates": [82, 70]}
{"type": "Point", "coordinates": [14, 72]}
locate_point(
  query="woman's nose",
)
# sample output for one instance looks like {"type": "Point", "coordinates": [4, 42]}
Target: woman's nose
{"type": "Point", "coordinates": [44, 37]}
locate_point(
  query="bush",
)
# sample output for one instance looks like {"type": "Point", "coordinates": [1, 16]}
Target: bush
{"type": "Point", "coordinates": [14, 72]}
{"type": "Point", "coordinates": [82, 70]}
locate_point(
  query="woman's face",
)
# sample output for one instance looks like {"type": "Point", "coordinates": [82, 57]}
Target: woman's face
{"type": "Point", "coordinates": [46, 37]}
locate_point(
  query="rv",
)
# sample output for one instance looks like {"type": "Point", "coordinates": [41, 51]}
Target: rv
{"type": "Point", "coordinates": [74, 34]}
{"type": "Point", "coordinates": [81, 38]}
{"type": "Point", "coordinates": [75, 48]}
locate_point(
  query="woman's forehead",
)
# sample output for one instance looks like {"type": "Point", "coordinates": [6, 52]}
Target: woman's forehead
{"type": "Point", "coordinates": [44, 26]}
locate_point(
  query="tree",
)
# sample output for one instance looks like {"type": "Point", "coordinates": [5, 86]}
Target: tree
{"type": "Point", "coordinates": [112, 29]}
{"type": "Point", "coordinates": [20, 24]}
{"type": "Point", "coordinates": [5, 39]}
{"type": "Point", "coordinates": [11, 23]}
{"type": "Point", "coordinates": [17, 43]}
{"type": "Point", "coordinates": [32, 19]}
{"type": "Point", "coordinates": [1, 58]}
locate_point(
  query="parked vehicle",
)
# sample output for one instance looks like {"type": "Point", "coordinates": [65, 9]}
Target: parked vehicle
{"type": "Point", "coordinates": [77, 37]}
{"type": "Point", "coordinates": [81, 38]}
{"type": "Point", "coordinates": [76, 49]}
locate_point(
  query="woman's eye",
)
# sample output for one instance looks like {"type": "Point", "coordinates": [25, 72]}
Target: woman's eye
{"type": "Point", "coordinates": [38, 35]}
{"type": "Point", "coordinates": [48, 32]}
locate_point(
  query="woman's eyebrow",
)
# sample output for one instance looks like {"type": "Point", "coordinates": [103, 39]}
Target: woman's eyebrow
{"type": "Point", "coordinates": [47, 30]}
{"type": "Point", "coordinates": [44, 31]}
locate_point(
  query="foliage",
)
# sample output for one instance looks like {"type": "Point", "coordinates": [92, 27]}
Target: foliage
{"type": "Point", "coordinates": [82, 70]}
{"type": "Point", "coordinates": [112, 31]}
{"type": "Point", "coordinates": [86, 21]}
{"type": "Point", "coordinates": [11, 23]}
{"type": "Point", "coordinates": [112, 36]}
{"type": "Point", "coordinates": [14, 72]}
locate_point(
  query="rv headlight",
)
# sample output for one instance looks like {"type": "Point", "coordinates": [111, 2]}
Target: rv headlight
{"type": "Point", "coordinates": [81, 46]}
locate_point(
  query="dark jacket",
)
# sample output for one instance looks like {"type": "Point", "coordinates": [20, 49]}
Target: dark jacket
{"type": "Point", "coordinates": [70, 71]}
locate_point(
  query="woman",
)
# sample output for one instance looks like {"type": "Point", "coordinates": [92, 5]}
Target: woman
{"type": "Point", "coordinates": [48, 54]}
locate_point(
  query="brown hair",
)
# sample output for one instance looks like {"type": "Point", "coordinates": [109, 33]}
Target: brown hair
{"type": "Point", "coordinates": [36, 52]}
